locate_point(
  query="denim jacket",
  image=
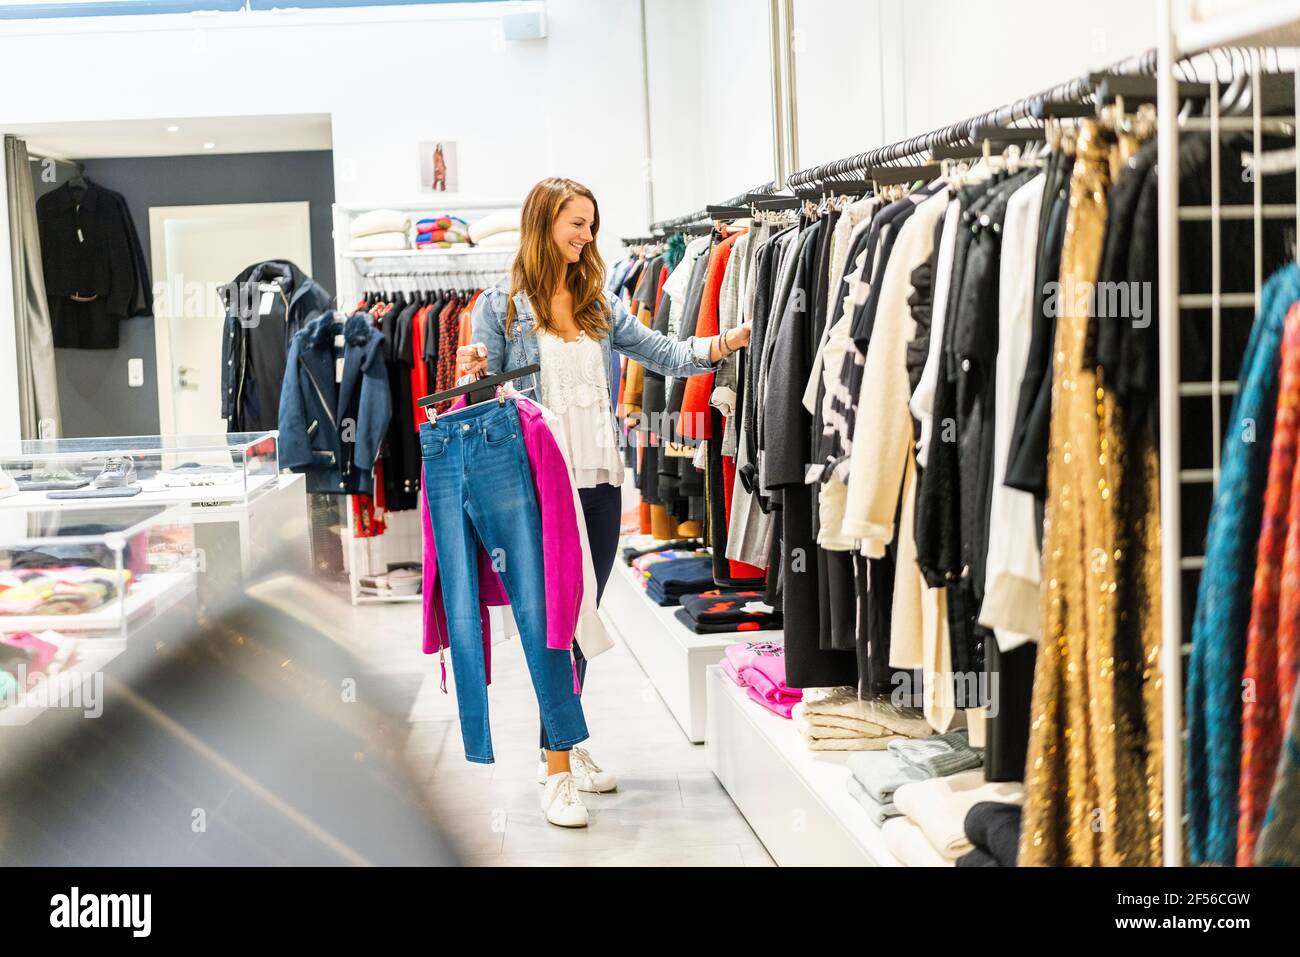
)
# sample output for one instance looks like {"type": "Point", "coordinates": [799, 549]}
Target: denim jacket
{"type": "Point", "coordinates": [670, 357]}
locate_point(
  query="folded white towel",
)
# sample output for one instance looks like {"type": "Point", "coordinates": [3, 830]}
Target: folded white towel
{"type": "Point", "coordinates": [845, 703]}
{"type": "Point", "coordinates": [503, 220]}
{"type": "Point", "coordinates": [380, 221]}
{"type": "Point", "coordinates": [906, 842]}
{"type": "Point", "coordinates": [509, 239]}
{"type": "Point", "coordinates": [380, 242]}
{"type": "Point", "coordinates": [938, 806]}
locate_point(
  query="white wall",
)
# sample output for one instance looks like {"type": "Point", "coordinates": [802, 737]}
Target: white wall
{"type": "Point", "coordinates": [568, 104]}
{"type": "Point", "coordinates": [710, 101]}
{"type": "Point", "coordinates": [966, 57]}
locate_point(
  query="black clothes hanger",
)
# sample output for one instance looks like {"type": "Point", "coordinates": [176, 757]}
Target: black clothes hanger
{"type": "Point", "coordinates": [889, 175]}
{"type": "Point", "coordinates": [480, 390]}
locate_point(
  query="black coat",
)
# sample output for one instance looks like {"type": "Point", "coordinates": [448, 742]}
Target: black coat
{"type": "Point", "coordinates": [93, 265]}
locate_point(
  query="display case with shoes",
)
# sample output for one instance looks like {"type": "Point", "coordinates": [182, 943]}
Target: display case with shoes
{"type": "Point", "coordinates": [204, 470]}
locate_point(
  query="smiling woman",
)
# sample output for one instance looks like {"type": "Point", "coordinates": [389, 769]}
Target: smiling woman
{"type": "Point", "coordinates": [557, 314]}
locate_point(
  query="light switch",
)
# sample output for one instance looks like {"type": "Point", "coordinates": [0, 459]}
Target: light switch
{"type": "Point", "coordinates": [135, 373]}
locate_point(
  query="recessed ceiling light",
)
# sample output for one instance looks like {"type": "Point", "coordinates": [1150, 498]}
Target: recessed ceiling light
{"type": "Point", "coordinates": [209, 146]}
{"type": "Point", "coordinates": [173, 129]}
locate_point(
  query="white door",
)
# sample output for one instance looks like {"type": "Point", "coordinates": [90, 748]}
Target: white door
{"type": "Point", "coordinates": [196, 249]}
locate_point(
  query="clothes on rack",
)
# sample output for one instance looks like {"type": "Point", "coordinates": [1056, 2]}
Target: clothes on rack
{"type": "Point", "coordinates": [96, 275]}
{"type": "Point", "coordinates": [335, 404]}
{"type": "Point", "coordinates": [266, 306]}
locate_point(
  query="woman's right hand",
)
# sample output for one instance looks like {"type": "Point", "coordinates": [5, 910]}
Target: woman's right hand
{"type": "Point", "coordinates": [471, 359]}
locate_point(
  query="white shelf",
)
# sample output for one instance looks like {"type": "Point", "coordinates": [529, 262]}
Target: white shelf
{"type": "Point", "coordinates": [796, 800]}
{"type": "Point", "coordinates": [673, 656]}
{"type": "Point", "coordinates": [1204, 24]}
{"type": "Point", "coordinates": [199, 497]}
{"type": "Point", "coordinates": [147, 598]}
{"type": "Point", "coordinates": [472, 252]}
{"type": "Point", "coordinates": [94, 656]}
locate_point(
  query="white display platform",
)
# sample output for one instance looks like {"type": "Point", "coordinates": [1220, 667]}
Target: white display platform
{"type": "Point", "coordinates": [796, 800]}
{"type": "Point", "coordinates": [672, 656]}
{"type": "Point", "coordinates": [202, 498]}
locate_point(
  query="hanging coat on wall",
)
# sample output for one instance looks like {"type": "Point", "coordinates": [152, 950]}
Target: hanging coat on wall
{"type": "Point", "coordinates": [93, 265]}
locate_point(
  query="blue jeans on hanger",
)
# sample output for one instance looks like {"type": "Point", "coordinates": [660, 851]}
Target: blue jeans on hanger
{"type": "Point", "coordinates": [479, 488]}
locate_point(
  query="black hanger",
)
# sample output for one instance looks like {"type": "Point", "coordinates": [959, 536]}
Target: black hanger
{"type": "Point", "coordinates": [888, 175]}
{"type": "Point", "coordinates": [480, 390]}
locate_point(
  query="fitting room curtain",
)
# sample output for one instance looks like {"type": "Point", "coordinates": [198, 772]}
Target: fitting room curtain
{"type": "Point", "coordinates": [38, 392]}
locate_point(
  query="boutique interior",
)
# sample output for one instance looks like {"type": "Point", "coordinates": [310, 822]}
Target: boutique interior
{"type": "Point", "coordinates": [963, 558]}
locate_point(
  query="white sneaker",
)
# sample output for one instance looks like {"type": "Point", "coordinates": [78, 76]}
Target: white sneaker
{"type": "Point", "coordinates": [561, 803]}
{"type": "Point", "coordinates": [588, 774]}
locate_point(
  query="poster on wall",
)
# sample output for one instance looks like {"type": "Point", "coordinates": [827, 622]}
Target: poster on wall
{"type": "Point", "coordinates": [439, 171]}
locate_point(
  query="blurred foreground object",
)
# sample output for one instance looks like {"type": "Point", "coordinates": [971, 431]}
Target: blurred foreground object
{"type": "Point", "coordinates": [249, 737]}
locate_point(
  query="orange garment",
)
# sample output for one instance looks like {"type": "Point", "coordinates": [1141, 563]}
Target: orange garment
{"type": "Point", "coordinates": [467, 321]}
{"type": "Point", "coordinates": [419, 371]}
{"type": "Point", "coordinates": [699, 388]}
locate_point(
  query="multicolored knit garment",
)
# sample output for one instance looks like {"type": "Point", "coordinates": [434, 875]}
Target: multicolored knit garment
{"type": "Point", "coordinates": [1264, 709]}
{"type": "Point", "coordinates": [1213, 702]}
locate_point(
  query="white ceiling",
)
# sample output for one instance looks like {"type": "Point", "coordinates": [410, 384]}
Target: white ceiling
{"type": "Point", "coordinates": [230, 134]}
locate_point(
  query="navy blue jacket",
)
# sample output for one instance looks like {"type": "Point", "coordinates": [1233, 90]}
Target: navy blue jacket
{"type": "Point", "coordinates": [333, 431]}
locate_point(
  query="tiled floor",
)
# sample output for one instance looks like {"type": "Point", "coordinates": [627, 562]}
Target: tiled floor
{"type": "Point", "coordinates": [669, 809]}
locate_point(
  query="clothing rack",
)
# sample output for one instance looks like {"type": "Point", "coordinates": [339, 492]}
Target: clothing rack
{"type": "Point", "coordinates": [701, 219]}
{"type": "Point", "coordinates": [1078, 96]}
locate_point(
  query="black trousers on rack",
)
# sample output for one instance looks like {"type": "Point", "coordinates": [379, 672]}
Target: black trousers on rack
{"type": "Point", "coordinates": [602, 508]}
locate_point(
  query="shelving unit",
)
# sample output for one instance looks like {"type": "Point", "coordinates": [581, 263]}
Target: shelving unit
{"type": "Point", "coordinates": [796, 800]}
{"type": "Point", "coordinates": [674, 658]}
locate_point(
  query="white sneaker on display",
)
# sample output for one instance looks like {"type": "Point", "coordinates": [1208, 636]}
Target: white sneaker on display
{"type": "Point", "coordinates": [561, 803]}
{"type": "Point", "coordinates": [589, 775]}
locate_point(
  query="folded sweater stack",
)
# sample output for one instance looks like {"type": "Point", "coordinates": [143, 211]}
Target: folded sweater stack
{"type": "Point", "coordinates": [836, 719]}
{"type": "Point", "coordinates": [496, 230]}
{"type": "Point", "coordinates": [759, 666]}
{"type": "Point", "coordinates": [381, 230]}
{"type": "Point", "coordinates": [441, 232]}
{"type": "Point", "coordinates": [994, 831]}
{"type": "Point", "coordinates": [670, 580]}
{"type": "Point", "coordinates": [936, 810]}
{"type": "Point", "coordinates": [720, 611]}
{"type": "Point", "coordinates": [878, 774]}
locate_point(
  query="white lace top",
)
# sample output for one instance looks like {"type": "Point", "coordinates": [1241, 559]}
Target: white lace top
{"type": "Point", "coordinates": [575, 388]}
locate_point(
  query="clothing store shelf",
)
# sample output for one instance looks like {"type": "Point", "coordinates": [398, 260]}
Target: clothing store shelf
{"type": "Point", "coordinates": [796, 800]}
{"type": "Point", "coordinates": [451, 255]}
{"type": "Point", "coordinates": [1230, 23]}
{"type": "Point", "coordinates": [148, 597]}
{"type": "Point", "coordinates": [77, 684]}
{"type": "Point", "coordinates": [673, 657]}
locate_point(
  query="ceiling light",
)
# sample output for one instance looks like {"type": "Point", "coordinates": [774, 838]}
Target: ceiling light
{"type": "Point", "coordinates": [173, 129]}
{"type": "Point", "coordinates": [209, 146]}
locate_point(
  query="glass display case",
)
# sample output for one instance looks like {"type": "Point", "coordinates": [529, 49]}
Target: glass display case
{"type": "Point", "coordinates": [93, 571]}
{"type": "Point", "coordinates": [215, 469]}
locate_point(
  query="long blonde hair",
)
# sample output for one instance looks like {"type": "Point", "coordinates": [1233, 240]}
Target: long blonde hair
{"type": "Point", "coordinates": [539, 267]}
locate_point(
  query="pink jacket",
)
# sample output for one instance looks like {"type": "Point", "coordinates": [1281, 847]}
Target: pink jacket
{"type": "Point", "coordinates": [561, 549]}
